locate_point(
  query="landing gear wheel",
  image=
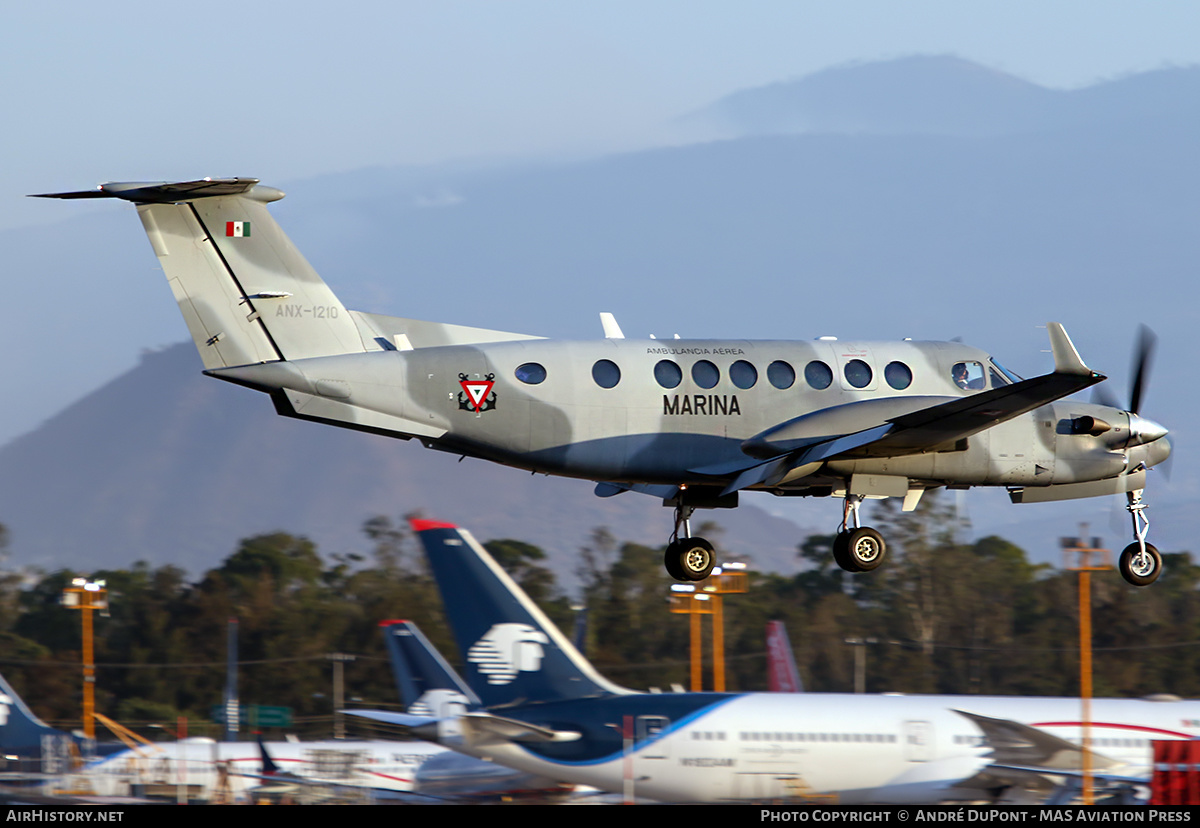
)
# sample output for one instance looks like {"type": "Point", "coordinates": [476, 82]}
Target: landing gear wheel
{"type": "Point", "coordinates": [1140, 568]}
{"type": "Point", "coordinates": [841, 552]}
{"type": "Point", "coordinates": [671, 562]}
{"type": "Point", "coordinates": [865, 549]}
{"type": "Point", "coordinates": [690, 559]}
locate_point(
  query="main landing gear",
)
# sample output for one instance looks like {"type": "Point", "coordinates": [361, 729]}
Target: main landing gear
{"type": "Point", "coordinates": [1140, 563]}
{"type": "Point", "coordinates": [688, 558]}
{"type": "Point", "coordinates": [860, 549]}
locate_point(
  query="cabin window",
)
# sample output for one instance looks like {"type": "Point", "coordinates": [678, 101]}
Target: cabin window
{"type": "Point", "coordinates": [705, 374]}
{"type": "Point", "coordinates": [818, 375]}
{"type": "Point", "coordinates": [898, 375]}
{"type": "Point", "coordinates": [857, 373]}
{"type": "Point", "coordinates": [968, 376]}
{"type": "Point", "coordinates": [606, 373]}
{"type": "Point", "coordinates": [531, 373]}
{"type": "Point", "coordinates": [743, 374]}
{"type": "Point", "coordinates": [780, 374]}
{"type": "Point", "coordinates": [668, 374]}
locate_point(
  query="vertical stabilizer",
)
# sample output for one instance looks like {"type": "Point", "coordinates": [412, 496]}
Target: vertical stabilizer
{"type": "Point", "coordinates": [513, 651]}
{"type": "Point", "coordinates": [428, 685]}
{"type": "Point", "coordinates": [245, 291]}
{"type": "Point", "coordinates": [21, 732]}
{"type": "Point", "coordinates": [782, 675]}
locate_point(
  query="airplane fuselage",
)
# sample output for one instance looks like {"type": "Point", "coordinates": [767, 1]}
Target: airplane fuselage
{"type": "Point", "coordinates": [678, 411]}
{"type": "Point", "coordinates": [693, 422]}
{"type": "Point", "coordinates": [895, 749]}
{"type": "Point", "coordinates": [372, 767]}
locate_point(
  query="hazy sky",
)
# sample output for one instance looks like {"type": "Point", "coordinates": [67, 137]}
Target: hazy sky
{"type": "Point", "coordinates": [285, 90]}
{"type": "Point", "coordinates": [131, 89]}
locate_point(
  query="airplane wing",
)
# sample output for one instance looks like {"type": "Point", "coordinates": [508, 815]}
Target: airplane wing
{"type": "Point", "coordinates": [1027, 747]}
{"type": "Point", "coordinates": [1027, 756]}
{"type": "Point", "coordinates": [885, 427]}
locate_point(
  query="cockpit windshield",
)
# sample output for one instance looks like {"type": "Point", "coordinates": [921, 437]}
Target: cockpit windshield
{"type": "Point", "coordinates": [1009, 375]}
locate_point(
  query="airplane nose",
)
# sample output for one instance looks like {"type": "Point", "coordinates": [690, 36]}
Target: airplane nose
{"type": "Point", "coordinates": [1143, 430]}
{"type": "Point", "coordinates": [1158, 451]}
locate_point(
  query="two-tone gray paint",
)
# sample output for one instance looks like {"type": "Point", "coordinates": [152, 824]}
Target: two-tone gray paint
{"type": "Point", "coordinates": [261, 317]}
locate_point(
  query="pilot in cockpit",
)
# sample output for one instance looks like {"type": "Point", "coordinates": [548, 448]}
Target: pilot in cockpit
{"type": "Point", "coordinates": [968, 376]}
{"type": "Point", "coordinates": [959, 372]}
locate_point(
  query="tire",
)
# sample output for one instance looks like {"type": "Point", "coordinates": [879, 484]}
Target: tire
{"type": "Point", "coordinates": [694, 558]}
{"type": "Point", "coordinates": [865, 549]}
{"type": "Point", "coordinates": [841, 552]}
{"type": "Point", "coordinates": [671, 562]}
{"type": "Point", "coordinates": [1140, 570]}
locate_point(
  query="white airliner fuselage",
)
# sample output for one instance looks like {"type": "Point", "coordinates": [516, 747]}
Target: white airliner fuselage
{"type": "Point", "coordinates": [878, 749]}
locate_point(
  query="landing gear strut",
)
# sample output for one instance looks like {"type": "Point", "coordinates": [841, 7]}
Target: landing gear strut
{"type": "Point", "coordinates": [688, 558]}
{"type": "Point", "coordinates": [1140, 563]}
{"type": "Point", "coordinates": [860, 549]}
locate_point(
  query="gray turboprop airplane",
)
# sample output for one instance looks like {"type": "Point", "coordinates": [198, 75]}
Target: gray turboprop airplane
{"type": "Point", "coordinates": [694, 422]}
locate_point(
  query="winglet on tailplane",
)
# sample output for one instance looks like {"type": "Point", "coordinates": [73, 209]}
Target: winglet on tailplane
{"type": "Point", "coordinates": [246, 292]}
{"type": "Point", "coordinates": [513, 651]}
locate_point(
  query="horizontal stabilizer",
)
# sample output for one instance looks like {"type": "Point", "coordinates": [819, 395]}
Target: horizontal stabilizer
{"type": "Point", "coordinates": [418, 727]}
{"type": "Point", "coordinates": [483, 728]}
{"type": "Point", "coordinates": [162, 192]}
{"type": "Point", "coordinates": [478, 728]}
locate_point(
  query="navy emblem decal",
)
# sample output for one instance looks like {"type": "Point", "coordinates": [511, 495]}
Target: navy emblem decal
{"type": "Point", "coordinates": [475, 394]}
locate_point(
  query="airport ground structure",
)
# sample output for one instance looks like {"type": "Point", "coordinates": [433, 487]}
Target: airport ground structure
{"type": "Point", "coordinates": [947, 617]}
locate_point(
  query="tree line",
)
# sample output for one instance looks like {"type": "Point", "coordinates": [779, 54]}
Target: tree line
{"type": "Point", "coordinates": [940, 616]}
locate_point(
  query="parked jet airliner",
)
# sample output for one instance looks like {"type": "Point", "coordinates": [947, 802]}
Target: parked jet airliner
{"type": "Point", "coordinates": [544, 709]}
{"type": "Point", "coordinates": [693, 422]}
{"type": "Point", "coordinates": [376, 767]}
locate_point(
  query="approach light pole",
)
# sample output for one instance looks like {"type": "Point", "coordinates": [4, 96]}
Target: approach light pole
{"type": "Point", "coordinates": [706, 598]}
{"type": "Point", "coordinates": [1078, 555]}
{"type": "Point", "coordinates": [685, 600]}
{"type": "Point", "coordinates": [87, 596]}
{"type": "Point", "coordinates": [860, 660]}
{"type": "Point", "coordinates": [339, 692]}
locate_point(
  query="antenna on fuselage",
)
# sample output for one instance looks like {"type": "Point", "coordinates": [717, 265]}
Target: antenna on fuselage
{"type": "Point", "coordinates": [611, 329]}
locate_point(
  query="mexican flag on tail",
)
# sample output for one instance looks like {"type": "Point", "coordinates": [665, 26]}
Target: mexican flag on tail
{"type": "Point", "coordinates": [237, 229]}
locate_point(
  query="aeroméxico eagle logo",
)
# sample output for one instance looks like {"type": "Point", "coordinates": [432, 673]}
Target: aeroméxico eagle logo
{"type": "Point", "coordinates": [506, 650]}
{"type": "Point", "coordinates": [474, 396]}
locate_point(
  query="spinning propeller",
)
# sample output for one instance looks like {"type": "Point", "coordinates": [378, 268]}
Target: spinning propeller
{"type": "Point", "coordinates": [1143, 358]}
{"type": "Point", "coordinates": [1140, 563]}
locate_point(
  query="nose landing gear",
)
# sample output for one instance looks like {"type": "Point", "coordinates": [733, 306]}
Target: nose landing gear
{"type": "Point", "coordinates": [1140, 563]}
